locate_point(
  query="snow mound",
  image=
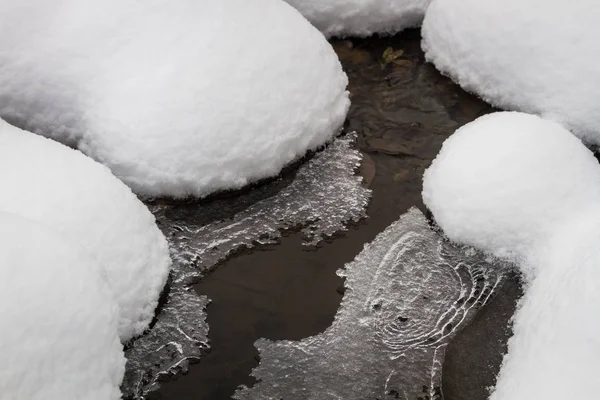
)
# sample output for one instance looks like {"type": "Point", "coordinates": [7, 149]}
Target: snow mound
{"type": "Point", "coordinates": [556, 342]}
{"type": "Point", "coordinates": [362, 17]}
{"type": "Point", "coordinates": [176, 98]}
{"type": "Point", "coordinates": [512, 183]}
{"type": "Point", "coordinates": [59, 320]}
{"type": "Point", "coordinates": [502, 182]}
{"type": "Point", "coordinates": [62, 188]}
{"type": "Point", "coordinates": [516, 57]}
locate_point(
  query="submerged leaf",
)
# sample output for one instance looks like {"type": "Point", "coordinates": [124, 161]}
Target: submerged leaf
{"type": "Point", "coordinates": [390, 55]}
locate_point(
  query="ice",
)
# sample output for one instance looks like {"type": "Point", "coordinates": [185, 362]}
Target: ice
{"type": "Point", "coordinates": [407, 293]}
{"type": "Point", "coordinates": [362, 17]}
{"type": "Point", "coordinates": [50, 183]}
{"type": "Point", "coordinates": [59, 318]}
{"type": "Point", "coordinates": [535, 56]}
{"type": "Point", "coordinates": [526, 187]}
{"type": "Point", "coordinates": [323, 197]}
{"type": "Point", "coordinates": [179, 336]}
{"type": "Point", "coordinates": [178, 98]}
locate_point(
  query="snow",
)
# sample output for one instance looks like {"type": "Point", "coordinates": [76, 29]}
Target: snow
{"type": "Point", "coordinates": [518, 58]}
{"type": "Point", "coordinates": [517, 185]}
{"type": "Point", "coordinates": [59, 320]}
{"type": "Point", "coordinates": [176, 98]}
{"type": "Point", "coordinates": [556, 344]}
{"type": "Point", "coordinates": [502, 182]}
{"type": "Point", "coordinates": [52, 184]}
{"type": "Point", "coordinates": [362, 17]}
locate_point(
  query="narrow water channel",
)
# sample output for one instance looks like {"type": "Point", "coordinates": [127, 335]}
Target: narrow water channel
{"type": "Point", "coordinates": [402, 110]}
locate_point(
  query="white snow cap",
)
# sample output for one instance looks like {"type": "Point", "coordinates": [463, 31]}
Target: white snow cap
{"type": "Point", "coordinates": [514, 184]}
{"type": "Point", "coordinates": [536, 56]}
{"type": "Point", "coordinates": [58, 316]}
{"type": "Point", "coordinates": [176, 98]}
{"type": "Point", "coordinates": [554, 352]}
{"type": "Point", "coordinates": [502, 182]}
{"type": "Point", "coordinates": [62, 188]}
{"type": "Point", "coordinates": [362, 17]}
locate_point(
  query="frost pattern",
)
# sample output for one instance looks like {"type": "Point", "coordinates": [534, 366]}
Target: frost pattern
{"type": "Point", "coordinates": [407, 292]}
{"type": "Point", "coordinates": [179, 335]}
{"type": "Point", "coordinates": [323, 196]}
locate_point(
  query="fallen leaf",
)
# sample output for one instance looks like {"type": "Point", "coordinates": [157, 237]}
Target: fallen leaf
{"type": "Point", "coordinates": [390, 55]}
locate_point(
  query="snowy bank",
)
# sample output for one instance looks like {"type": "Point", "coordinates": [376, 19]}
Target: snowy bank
{"type": "Point", "coordinates": [176, 98]}
{"type": "Point", "coordinates": [59, 320]}
{"type": "Point", "coordinates": [535, 56]}
{"type": "Point", "coordinates": [362, 17]}
{"type": "Point", "coordinates": [518, 186]}
{"type": "Point", "coordinates": [62, 188]}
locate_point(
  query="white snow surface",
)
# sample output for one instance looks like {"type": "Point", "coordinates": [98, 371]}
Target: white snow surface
{"type": "Point", "coordinates": [58, 316]}
{"type": "Point", "coordinates": [535, 56]}
{"type": "Point", "coordinates": [50, 183]}
{"type": "Point", "coordinates": [554, 352]}
{"type": "Point", "coordinates": [177, 98]}
{"type": "Point", "coordinates": [362, 17]}
{"type": "Point", "coordinates": [514, 184]}
{"type": "Point", "coordinates": [502, 182]}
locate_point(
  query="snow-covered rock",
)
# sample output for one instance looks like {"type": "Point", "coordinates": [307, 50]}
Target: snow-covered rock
{"type": "Point", "coordinates": [514, 184]}
{"type": "Point", "coordinates": [535, 56]}
{"type": "Point", "coordinates": [362, 17]}
{"type": "Point", "coordinates": [502, 182]}
{"type": "Point", "coordinates": [176, 98]}
{"type": "Point", "coordinates": [62, 188]}
{"type": "Point", "coordinates": [59, 320]}
{"type": "Point", "coordinates": [556, 342]}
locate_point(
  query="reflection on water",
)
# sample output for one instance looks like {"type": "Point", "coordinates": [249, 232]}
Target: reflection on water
{"type": "Point", "coordinates": [407, 294]}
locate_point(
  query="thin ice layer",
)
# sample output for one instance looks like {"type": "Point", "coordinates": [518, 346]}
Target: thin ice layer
{"type": "Point", "coordinates": [325, 193]}
{"type": "Point", "coordinates": [323, 196]}
{"type": "Point", "coordinates": [407, 292]}
{"type": "Point", "coordinates": [179, 335]}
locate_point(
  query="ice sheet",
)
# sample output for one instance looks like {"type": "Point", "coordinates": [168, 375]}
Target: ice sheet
{"type": "Point", "coordinates": [407, 294]}
{"type": "Point", "coordinates": [323, 196]}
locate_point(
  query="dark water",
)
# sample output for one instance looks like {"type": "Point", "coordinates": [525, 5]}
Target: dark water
{"type": "Point", "coordinates": [402, 110]}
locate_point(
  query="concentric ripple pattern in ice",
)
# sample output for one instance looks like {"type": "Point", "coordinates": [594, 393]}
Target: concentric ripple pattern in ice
{"type": "Point", "coordinates": [407, 293]}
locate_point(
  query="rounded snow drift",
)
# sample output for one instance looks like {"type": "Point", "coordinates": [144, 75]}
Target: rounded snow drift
{"type": "Point", "coordinates": [362, 17]}
{"type": "Point", "coordinates": [50, 183]}
{"type": "Point", "coordinates": [502, 182]}
{"type": "Point", "coordinates": [59, 319]}
{"type": "Point", "coordinates": [177, 98]}
{"type": "Point", "coordinates": [518, 57]}
{"type": "Point", "coordinates": [556, 344]}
